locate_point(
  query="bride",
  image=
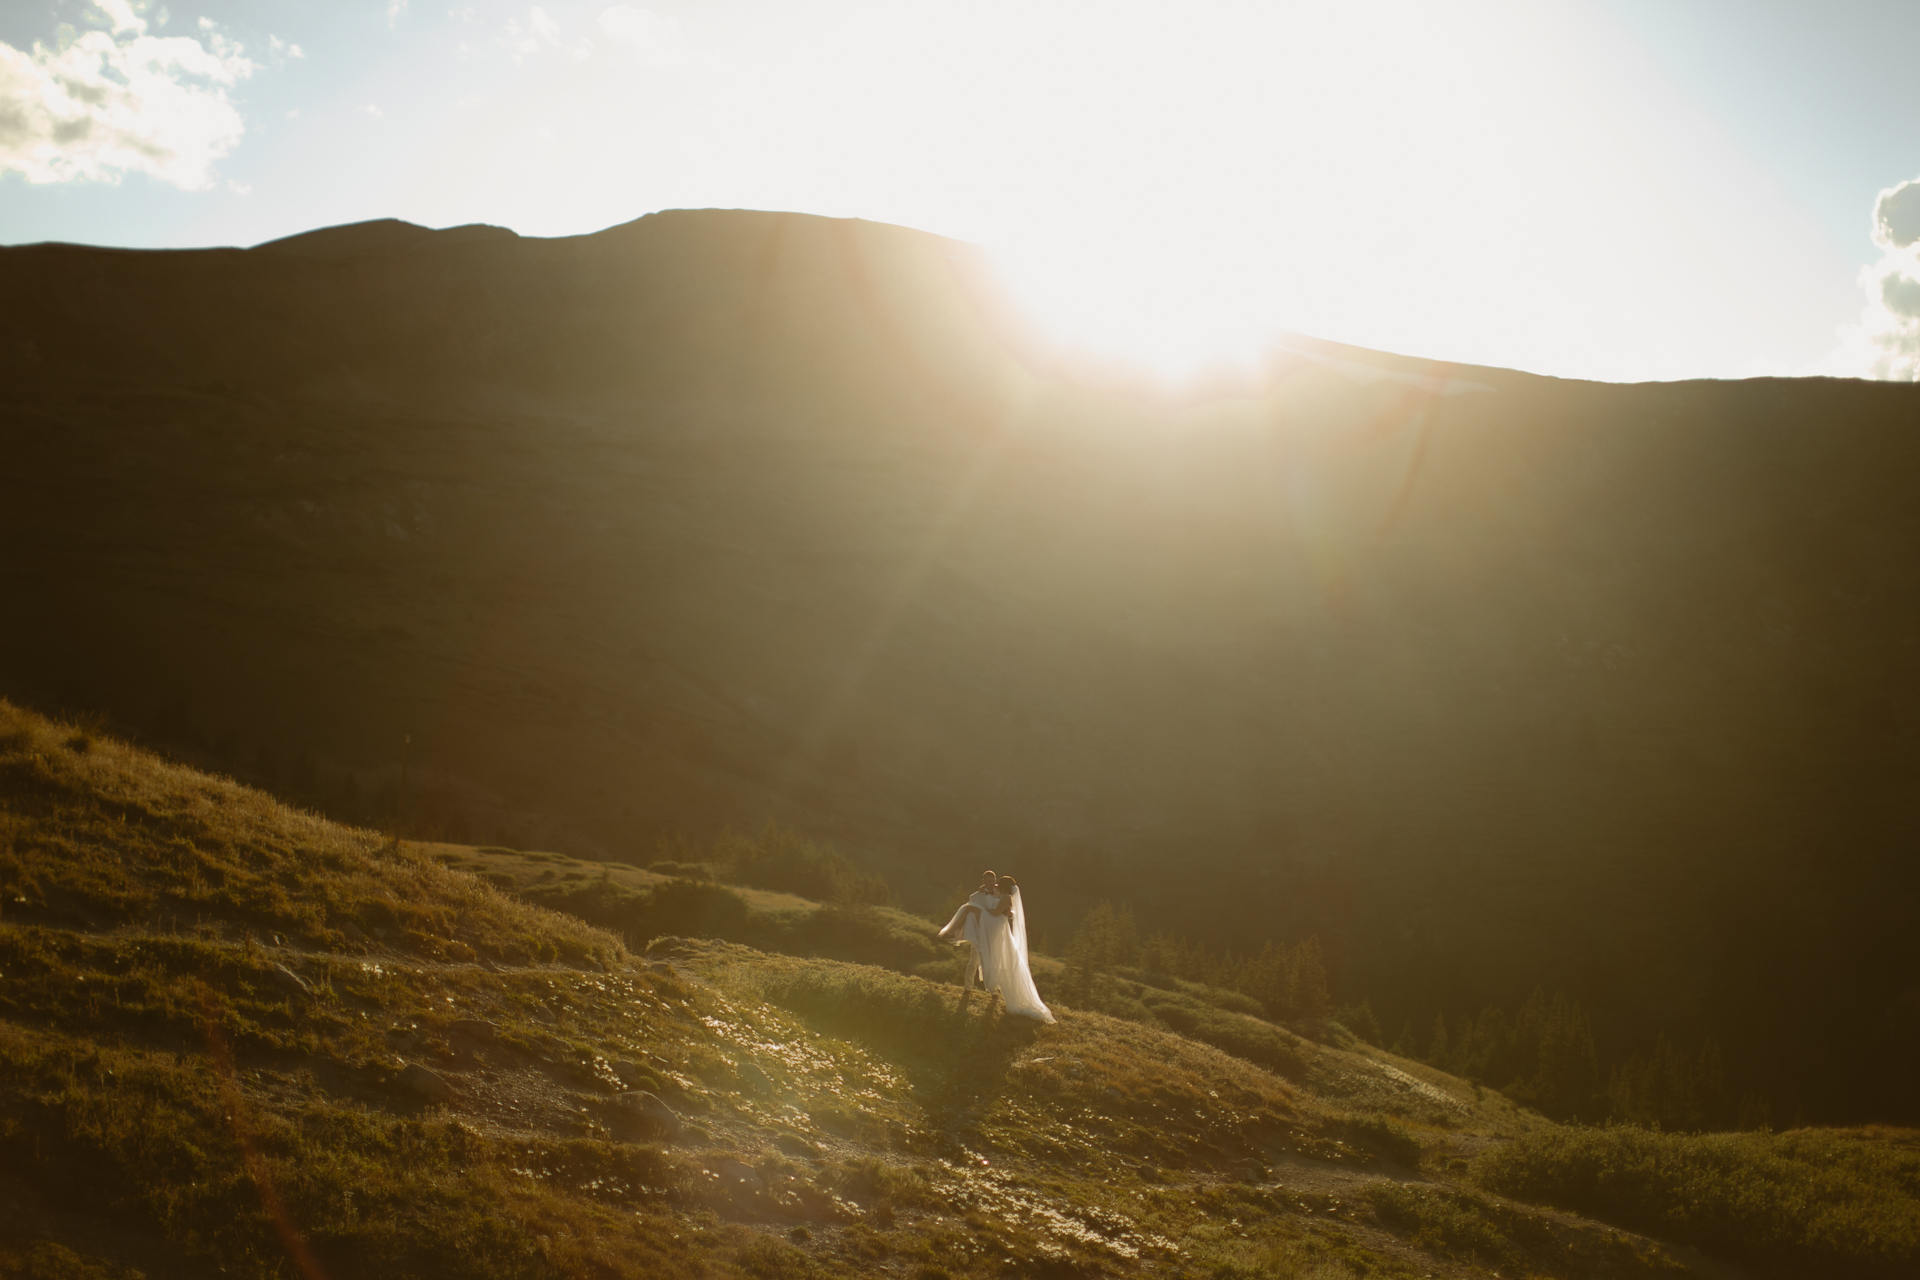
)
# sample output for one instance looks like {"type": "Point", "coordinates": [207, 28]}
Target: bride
{"type": "Point", "coordinates": [994, 921]}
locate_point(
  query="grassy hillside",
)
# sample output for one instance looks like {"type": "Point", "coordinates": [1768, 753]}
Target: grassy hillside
{"type": "Point", "coordinates": [237, 1037]}
{"type": "Point", "coordinates": [734, 517]}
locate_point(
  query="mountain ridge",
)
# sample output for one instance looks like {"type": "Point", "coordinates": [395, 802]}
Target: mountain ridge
{"type": "Point", "coordinates": [729, 518]}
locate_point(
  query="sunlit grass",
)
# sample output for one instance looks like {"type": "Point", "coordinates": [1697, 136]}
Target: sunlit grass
{"type": "Point", "coordinates": [196, 1047]}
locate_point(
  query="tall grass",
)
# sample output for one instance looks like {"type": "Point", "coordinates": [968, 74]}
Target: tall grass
{"type": "Point", "coordinates": [93, 831]}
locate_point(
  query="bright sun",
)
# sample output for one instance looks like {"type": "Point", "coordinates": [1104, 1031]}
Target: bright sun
{"type": "Point", "coordinates": [1168, 316]}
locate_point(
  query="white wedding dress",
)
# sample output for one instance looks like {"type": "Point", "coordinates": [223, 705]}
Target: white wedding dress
{"type": "Point", "coordinates": [1000, 948]}
{"type": "Point", "coordinates": [970, 927]}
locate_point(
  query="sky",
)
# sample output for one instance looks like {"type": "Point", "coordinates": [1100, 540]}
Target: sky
{"type": "Point", "coordinates": [1613, 189]}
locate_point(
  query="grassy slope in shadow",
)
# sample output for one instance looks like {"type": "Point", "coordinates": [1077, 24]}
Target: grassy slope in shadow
{"type": "Point", "coordinates": [211, 1006]}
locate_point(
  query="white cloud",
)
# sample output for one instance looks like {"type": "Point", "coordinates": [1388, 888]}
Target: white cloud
{"type": "Point", "coordinates": [108, 103]}
{"type": "Point", "coordinates": [394, 9]}
{"type": "Point", "coordinates": [1886, 341]}
{"type": "Point", "coordinates": [372, 111]}
{"type": "Point", "coordinates": [123, 16]}
{"type": "Point", "coordinates": [1896, 216]}
{"type": "Point", "coordinates": [542, 31]}
{"type": "Point", "coordinates": [657, 42]}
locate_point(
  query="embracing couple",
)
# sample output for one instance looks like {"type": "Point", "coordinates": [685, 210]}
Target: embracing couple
{"type": "Point", "coordinates": [994, 922]}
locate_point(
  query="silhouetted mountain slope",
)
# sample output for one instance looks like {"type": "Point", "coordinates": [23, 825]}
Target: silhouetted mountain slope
{"type": "Point", "coordinates": [732, 516]}
{"type": "Point", "coordinates": [240, 1039]}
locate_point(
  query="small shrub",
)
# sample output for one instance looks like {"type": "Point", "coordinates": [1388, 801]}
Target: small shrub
{"type": "Point", "coordinates": [692, 909]}
{"type": "Point", "coordinates": [682, 870]}
{"type": "Point", "coordinates": [1325, 1031]}
{"type": "Point", "coordinates": [785, 862]}
{"type": "Point", "coordinates": [909, 1018]}
{"type": "Point", "coordinates": [1360, 1020]}
{"type": "Point", "coordinates": [1383, 1136]}
{"type": "Point", "coordinates": [1445, 1223]}
{"type": "Point", "coordinates": [1815, 1202]}
{"type": "Point", "coordinates": [864, 934]}
{"type": "Point", "coordinates": [1243, 1036]}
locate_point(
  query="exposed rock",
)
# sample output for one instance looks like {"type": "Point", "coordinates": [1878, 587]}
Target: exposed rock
{"type": "Point", "coordinates": [353, 932]}
{"type": "Point", "coordinates": [753, 1077]}
{"type": "Point", "coordinates": [474, 1029]}
{"type": "Point", "coordinates": [648, 1113]}
{"type": "Point", "coordinates": [425, 1083]}
{"type": "Point", "coordinates": [403, 1039]}
{"type": "Point", "coordinates": [290, 980]}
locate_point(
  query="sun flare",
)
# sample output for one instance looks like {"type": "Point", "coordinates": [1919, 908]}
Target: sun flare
{"type": "Point", "coordinates": [1170, 320]}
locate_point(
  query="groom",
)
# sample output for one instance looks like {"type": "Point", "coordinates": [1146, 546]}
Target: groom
{"type": "Point", "coordinates": [970, 925]}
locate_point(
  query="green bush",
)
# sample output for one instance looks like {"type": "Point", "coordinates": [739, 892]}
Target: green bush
{"type": "Point", "coordinates": [1243, 1037]}
{"type": "Point", "coordinates": [783, 861]}
{"type": "Point", "coordinates": [910, 1017]}
{"type": "Point", "coordinates": [1383, 1136]}
{"type": "Point", "coordinates": [1239, 1034]}
{"type": "Point", "coordinates": [688, 908]}
{"type": "Point", "coordinates": [864, 934]}
{"type": "Point", "coordinates": [1812, 1202]}
{"type": "Point", "coordinates": [682, 870]}
{"type": "Point", "coordinates": [1360, 1020]}
{"type": "Point", "coordinates": [1443, 1222]}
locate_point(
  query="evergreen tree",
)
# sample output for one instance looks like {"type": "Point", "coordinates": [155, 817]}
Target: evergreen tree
{"type": "Point", "coordinates": [1672, 1089]}
{"type": "Point", "coordinates": [1438, 1052]}
{"type": "Point", "coordinates": [1311, 996]}
{"type": "Point", "coordinates": [1482, 1047]}
{"type": "Point", "coordinates": [1359, 1019]}
{"type": "Point", "coordinates": [1112, 936]}
{"type": "Point", "coordinates": [1269, 978]}
{"type": "Point", "coordinates": [1107, 939]}
{"type": "Point", "coordinates": [1524, 1052]}
{"type": "Point", "coordinates": [1568, 1077]}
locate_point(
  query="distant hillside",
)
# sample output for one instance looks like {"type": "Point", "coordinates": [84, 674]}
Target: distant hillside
{"type": "Point", "coordinates": [722, 517]}
{"type": "Point", "coordinates": [236, 1038]}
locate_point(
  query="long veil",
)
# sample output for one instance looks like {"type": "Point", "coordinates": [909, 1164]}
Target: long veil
{"type": "Point", "coordinates": [1015, 977]}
